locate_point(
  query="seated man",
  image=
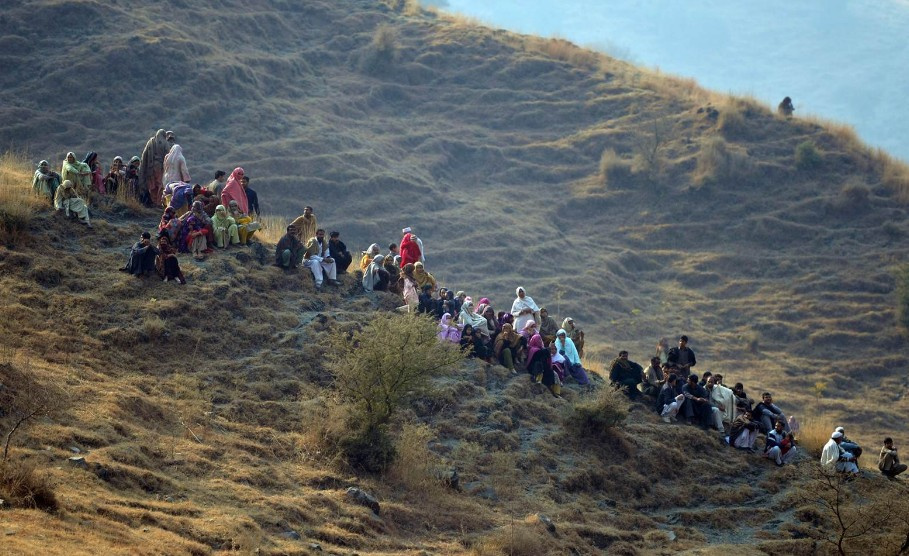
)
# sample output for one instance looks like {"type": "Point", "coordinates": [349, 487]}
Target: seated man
{"type": "Point", "coordinates": [834, 454]}
{"type": "Point", "coordinates": [668, 401]}
{"type": "Point", "coordinates": [653, 378]}
{"type": "Point", "coordinates": [767, 413]}
{"type": "Point", "coordinates": [744, 432]}
{"type": "Point", "coordinates": [850, 446]}
{"type": "Point", "coordinates": [318, 260]}
{"type": "Point", "coordinates": [889, 462]}
{"type": "Point", "coordinates": [289, 251]}
{"type": "Point", "coordinates": [780, 445]}
{"type": "Point", "coordinates": [245, 225]}
{"type": "Point", "coordinates": [142, 255]}
{"type": "Point", "coordinates": [67, 200]}
{"type": "Point", "coordinates": [742, 401]}
{"type": "Point", "coordinates": [682, 356]}
{"type": "Point", "coordinates": [722, 399]}
{"type": "Point", "coordinates": [224, 228]}
{"type": "Point", "coordinates": [339, 252]}
{"type": "Point", "coordinates": [625, 375]}
{"type": "Point", "coordinates": [697, 408]}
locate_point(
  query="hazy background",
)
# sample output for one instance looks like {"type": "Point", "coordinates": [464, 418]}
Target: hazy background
{"type": "Point", "coordinates": [844, 61]}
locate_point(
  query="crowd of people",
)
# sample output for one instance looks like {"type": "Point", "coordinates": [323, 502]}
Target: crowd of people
{"type": "Point", "coordinates": [196, 220]}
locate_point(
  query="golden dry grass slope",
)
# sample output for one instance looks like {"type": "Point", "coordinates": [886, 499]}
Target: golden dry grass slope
{"type": "Point", "coordinates": [701, 219]}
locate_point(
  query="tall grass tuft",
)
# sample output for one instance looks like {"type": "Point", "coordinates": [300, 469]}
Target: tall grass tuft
{"type": "Point", "coordinates": [902, 296]}
{"type": "Point", "coordinates": [273, 228]}
{"type": "Point", "coordinates": [807, 156]}
{"type": "Point", "coordinates": [18, 202]}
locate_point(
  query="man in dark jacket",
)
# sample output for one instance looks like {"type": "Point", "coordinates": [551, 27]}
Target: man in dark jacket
{"type": "Point", "coordinates": [697, 406]}
{"type": "Point", "coordinates": [252, 198]}
{"type": "Point", "coordinates": [141, 257]}
{"type": "Point", "coordinates": [289, 250]}
{"type": "Point", "coordinates": [682, 356]}
{"type": "Point", "coordinates": [625, 375]}
{"type": "Point", "coordinates": [339, 252]}
{"type": "Point", "coordinates": [768, 413]}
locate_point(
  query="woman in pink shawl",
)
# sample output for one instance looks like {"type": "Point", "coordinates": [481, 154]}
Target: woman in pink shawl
{"type": "Point", "coordinates": [540, 366]}
{"type": "Point", "coordinates": [447, 331]}
{"type": "Point", "coordinates": [234, 191]}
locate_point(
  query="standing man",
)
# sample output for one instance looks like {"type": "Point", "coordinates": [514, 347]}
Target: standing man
{"type": "Point", "coordinates": [217, 184]}
{"type": "Point", "coordinates": [251, 198]}
{"type": "Point", "coordinates": [682, 356]}
{"type": "Point", "coordinates": [318, 260]}
{"type": "Point", "coordinates": [338, 251]}
{"type": "Point", "coordinates": [305, 225]}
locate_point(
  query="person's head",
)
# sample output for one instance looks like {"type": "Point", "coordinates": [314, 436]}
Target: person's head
{"type": "Point", "coordinates": [320, 234]}
{"type": "Point", "coordinates": [118, 161]}
{"type": "Point", "coordinates": [706, 375]}
{"type": "Point", "coordinates": [561, 335]}
{"type": "Point", "coordinates": [520, 292]}
{"type": "Point", "coordinates": [718, 378]}
{"type": "Point", "coordinates": [837, 437]}
{"type": "Point", "coordinates": [134, 161]}
{"type": "Point", "coordinates": [710, 383]}
{"type": "Point", "coordinates": [692, 378]}
{"type": "Point", "coordinates": [408, 270]}
{"type": "Point", "coordinates": [407, 230]}
{"type": "Point", "coordinates": [221, 175]}
{"type": "Point", "coordinates": [197, 206]}
{"type": "Point", "coordinates": [427, 289]}
{"type": "Point", "coordinates": [378, 260]}
{"type": "Point", "coordinates": [507, 328]}
{"type": "Point", "coordinates": [146, 236]}
{"type": "Point", "coordinates": [291, 230]}
{"type": "Point", "coordinates": [392, 247]}
{"type": "Point", "coordinates": [170, 137]}
{"type": "Point", "coordinates": [623, 354]}
{"type": "Point", "coordinates": [747, 414]}
{"type": "Point", "coordinates": [544, 312]}
{"type": "Point", "coordinates": [334, 236]}
{"type": "Point", "coordinates": [888, 443]}
{"type": "Point", "coordinates": [233, 205]}
{"type": "Point", "coordinates": [655, 362]}
{"type": "Point", "coordinates": [374, 249]}
{"type": "Point", "coordinates": [418, 266]}
{"type": "Point", "coordinates": [468, 330]}
{"type": "Point", "coordinates": [663, 343]}
{"type": "Point", "coordinates": [163, 239]}
{"type": "Point", "coordinates": [461, 295]}
{"type": "Point", "coordinates": [778, 426]}
{"type": "Point", "coordinates": [244, 181]}
{"type": "Point", "coordinates": [307, 211]}
{"type": "Point", "coordinates": [683, 341]}
{"type": "Point", "coordinates": [489, 313]}
{"type": "Point", "coordinates": [71, 158]}
{"type": "Point", "coordinates": [443, 292]}
{"type": "Point", "coordinates": [840, 429]}
{"type": "Point", "coordinates": [220, 210]}
{"type": "Point", "coordinates": [739, 387]}
{"type": "Point", "coordinates": [569, 322]}
{"type": "Point", "coordinates": [767, 398]}
{"type": "Point", "coordinates": [43, 165]}
{"type": "Point", "coordinates": [672, 378]}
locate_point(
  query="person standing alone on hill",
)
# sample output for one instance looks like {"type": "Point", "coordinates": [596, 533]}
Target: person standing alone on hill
{"type": "Point", "coordinates": [786, 108]}
{"type": "Point", "coordinates": [151, 169]}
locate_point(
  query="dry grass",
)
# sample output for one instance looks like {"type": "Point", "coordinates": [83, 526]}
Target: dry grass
{"type": "Point", "coordinates": [813, 434]}
{"type": "Point", "coordinates": [894, 174]}
{"type": "Point", "coordinates": [416, 468]}
{"type": "Point", "coordinates": [22, 486]}
{"type": "Point", "coordinates": [558, 48]}
{"type": "Point", "coordinates": [18, 201]}
{"type": "Point", "coordinates": [615, 171]}
{"type": "Point", "coordinates": [719, 162]}
{"type": "Point", "coordinates": [272, 230]}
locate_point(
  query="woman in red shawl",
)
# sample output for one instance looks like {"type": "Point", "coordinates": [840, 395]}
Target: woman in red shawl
{"type": "Point", "coordinates": [410, 250]}
{"type": "Point", "coordinates": [234, 191]}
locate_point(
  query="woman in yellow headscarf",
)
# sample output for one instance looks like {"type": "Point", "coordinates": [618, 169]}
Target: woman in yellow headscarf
{"type": "Point", "coordinates": [423, 278]}
{"type": "Point", "coordinates": [79, 174]}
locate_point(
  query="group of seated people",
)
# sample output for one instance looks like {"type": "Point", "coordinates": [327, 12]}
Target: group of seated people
{"type": "Point", "coordinates": [304, 244]}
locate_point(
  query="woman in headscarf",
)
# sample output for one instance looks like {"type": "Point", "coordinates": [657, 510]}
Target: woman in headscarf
{"type": "Point", "coordinates": [114, 179]}
{"type": "Point", "coordinates": [175, 166]}
{"type": "Point", "coordinates": [199, 212]}
{"type": "Point", "coordinates": [78, 174]}
{"type": "Point", "coordinates": [410, 250]}
{"type": "Point", "coordinates": [46, 181]}
{"type": "Point", "coordinates": [548, 326]}
{"type": "Point", "coordinates": [558, 363]}
{"type": "Point", "coordinates": [468, 316]}
{"type": "Point", "coordinates": [491, 323]}
{"type": "Point", "coordinates": [506, 347]}
{"type": "Point", "coordinates": [423, 278]}
{"type": "Point", "coordinates": [449, 332]}
{"type": "Point", "coordinates": [151, 169]}
{"type": "Point", "coordinates": [68, 200]}
{"type": "Point", "coordinates": [91, 160]}
{"type": "Point", "coordinates": [224, 227]}
{"type": "Point", "coordinates": [368, 255]}
{"type": "Point", "coordinates": [409, 289]}
{"type": "Point", "coordinates": [566, 349]}
{"type": "Point", "coordinates": [169, 225]}
{"type": "Point", "coordinates": [575, 333]}
{"type": "Point", "coordinates": [194, 240]}
{"type": "Point", "coordinates": [539, 365]}
{"type": "Point", "coordinates": [523, 309]}
{"type": "Point", "coordinates": [233, 191]}
{"type": "Point", "coordinates": [246, 227]}
{"type": "Point", "coordinates": [166, 261]}
{"type": "Point", "coordinates": [375, 277]}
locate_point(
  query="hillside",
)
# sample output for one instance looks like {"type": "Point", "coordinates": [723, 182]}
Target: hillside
{"type": "Point", "coordinates": [491, 145]}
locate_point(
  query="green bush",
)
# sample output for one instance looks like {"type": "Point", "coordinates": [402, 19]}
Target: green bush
{"type": "Point", "coordinates": [596, 417]}
{"type": "Point", "coordinates": [807, 156]}
{"type": "Point", "coordinates": [370, 449]}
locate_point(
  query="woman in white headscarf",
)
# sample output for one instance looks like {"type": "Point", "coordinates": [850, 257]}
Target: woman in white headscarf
{"type": "Point", "coordinates": [375, 277]}
{"type": "Point", "coordinates": [175, 166]}
{"type": "Point", "coordinates": [368, 256]}
{"type": "Point", "coordinates": [467, 316]}
{"type": "Point", "coordinates": [524, 309]}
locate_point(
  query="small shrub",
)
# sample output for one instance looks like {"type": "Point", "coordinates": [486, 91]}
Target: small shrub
{"type": "Point", "coordinates": [614, 170]}
{"type": "Point", "coordinates": [598, 416]}
{"type": "Point", "coordinates": [368, 449]}
{"type": "Point", "coordinates": [153, 327]}
{"type": "Point", "coordinates": [18, 203]}
{"type": "Point", "coordinates": [807, 156]}
{"type": "Point", "coordinates": [22, 487]}
{"type": "Point", "coordinates": [649, 149]}
{"type": "Point", "coordinates": [717, 161]}
{"type": "Point", "coordinates": [853, 197]}
{"type": "Point", "coordinates": [381, 53]}
{"type": "Point", "coordinates": [733, 121]}
{"type": "Point", "coordinates": [415, 466]}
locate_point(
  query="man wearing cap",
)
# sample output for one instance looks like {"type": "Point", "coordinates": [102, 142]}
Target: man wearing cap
{"type": "Point", "coordinates": [409, 230]}
{"type": "Point", "coordinates": [141, 260]}
{"type": "Point", "coordinates": [289, 251]}
{"type": "Point", "coordinates": [339, 252]}
{"type": "Point", "coordinates": [46, 181]}
{"type": "Point", "coordinates": [850, 446]}
{"type": "Point", "coordinates": [318, 260]}
{"type": "Point", "coordinates": [834, 454]}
